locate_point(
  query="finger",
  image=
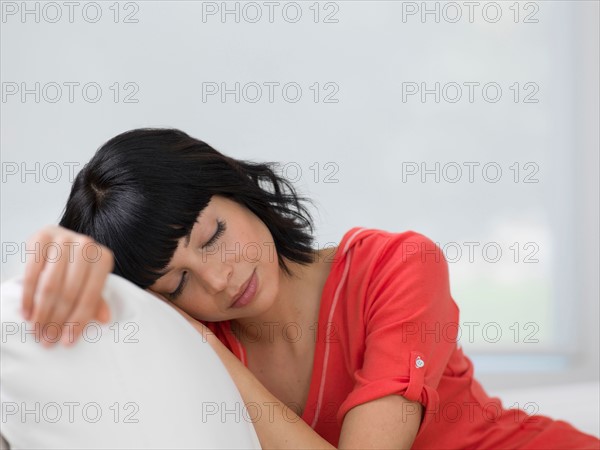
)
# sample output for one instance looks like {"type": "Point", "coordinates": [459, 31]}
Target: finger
{"type": "Point", "coordinates": [49, 290]}
{"type": "Point", "coordinates": [103, 313]}
{"type": "Point", "coordinates": [76, 273]}
{"type": "Point", "coordinates": [33, 269]}
{"type": "Point", "coordinates": [89, 301]}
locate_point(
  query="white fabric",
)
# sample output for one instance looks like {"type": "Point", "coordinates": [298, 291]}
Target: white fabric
{"type": "Point", "coordinates": [149, 373]}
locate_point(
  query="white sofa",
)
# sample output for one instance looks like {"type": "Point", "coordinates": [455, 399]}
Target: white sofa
{"type": "Point", "coordinates": [146, 379]}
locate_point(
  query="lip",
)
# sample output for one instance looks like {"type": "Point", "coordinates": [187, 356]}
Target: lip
{"type": "Point", "coordinates": [246, 292]}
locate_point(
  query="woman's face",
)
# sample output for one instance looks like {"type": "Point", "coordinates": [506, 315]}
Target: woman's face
{"type": "Point", "coordinates": [227, 244]}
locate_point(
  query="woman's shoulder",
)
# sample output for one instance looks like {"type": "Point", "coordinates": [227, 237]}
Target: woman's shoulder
{"type": "Point", "coordinates": [379, 241]}
{"type": "Point", "coordinates": [377, 258]}
{"type": "Point", "coordinates": [382, 233]}
{"type": "Point", "coordinates": [367, 254]}
{"type": "Point", "coordinates": [404, 269]}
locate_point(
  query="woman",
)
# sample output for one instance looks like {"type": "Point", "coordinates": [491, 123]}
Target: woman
{"type": "Point", "coordinates": [347, 347]}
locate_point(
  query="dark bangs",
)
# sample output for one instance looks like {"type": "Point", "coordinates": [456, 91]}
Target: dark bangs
{"type": "Point", "coordinates": [143, 190]}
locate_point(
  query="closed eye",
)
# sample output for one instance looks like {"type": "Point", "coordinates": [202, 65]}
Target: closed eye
{"type": "Point", "coordinates": [177, 292]}
{"type": "Point", "coordinates": [221, 227]}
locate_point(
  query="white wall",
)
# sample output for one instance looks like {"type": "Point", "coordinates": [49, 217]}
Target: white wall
{"type": "Point", "coordinates": [370, 53]}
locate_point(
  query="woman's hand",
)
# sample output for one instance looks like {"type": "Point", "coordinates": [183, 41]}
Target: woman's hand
{"type": "Point", "coordinates": [63, 283]}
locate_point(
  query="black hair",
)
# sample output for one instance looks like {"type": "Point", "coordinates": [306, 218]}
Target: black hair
{"type": "Point", "coordinates": [142, 192]}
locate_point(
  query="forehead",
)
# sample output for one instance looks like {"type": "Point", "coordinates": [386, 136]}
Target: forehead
{"type": "Point", "coordinates": [219, 201]}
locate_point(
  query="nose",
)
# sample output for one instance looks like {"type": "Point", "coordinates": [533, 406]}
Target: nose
{"type": "Point", "coordinates": [215, 277]}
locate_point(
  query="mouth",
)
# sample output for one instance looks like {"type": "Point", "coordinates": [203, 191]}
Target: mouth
{"type": "Point", "coordinates": [246, 291]}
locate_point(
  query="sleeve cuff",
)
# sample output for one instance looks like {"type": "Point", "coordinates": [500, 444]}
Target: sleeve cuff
{"type": "Point", "coordinates": [412, 388]}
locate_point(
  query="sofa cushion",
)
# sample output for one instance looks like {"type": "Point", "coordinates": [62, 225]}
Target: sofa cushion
{"type": "Point", "coordinates": [146, 379]}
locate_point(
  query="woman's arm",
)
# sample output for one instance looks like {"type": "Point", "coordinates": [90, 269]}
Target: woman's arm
{"type": "Point", "coordinates": [277, 426]}
{"type": "Point", "coordinates": [390, 422]}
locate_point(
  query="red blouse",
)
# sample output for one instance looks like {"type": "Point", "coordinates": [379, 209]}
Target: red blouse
{"type": "Point", "coordinates": [388, 325]}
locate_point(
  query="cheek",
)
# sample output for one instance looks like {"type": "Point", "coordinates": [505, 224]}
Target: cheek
{"type": "Point", "coordinates": [270, 279]}
{"type": "Point", "coordinates": [201, 305]}
{"type": "Point", "coordinates": [195, 302]}
{"type": "Point", "coordinates": [266, 246]}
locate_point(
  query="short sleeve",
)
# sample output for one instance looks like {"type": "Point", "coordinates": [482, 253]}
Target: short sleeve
{"type": "Point", "coordinates": [411, 324]}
